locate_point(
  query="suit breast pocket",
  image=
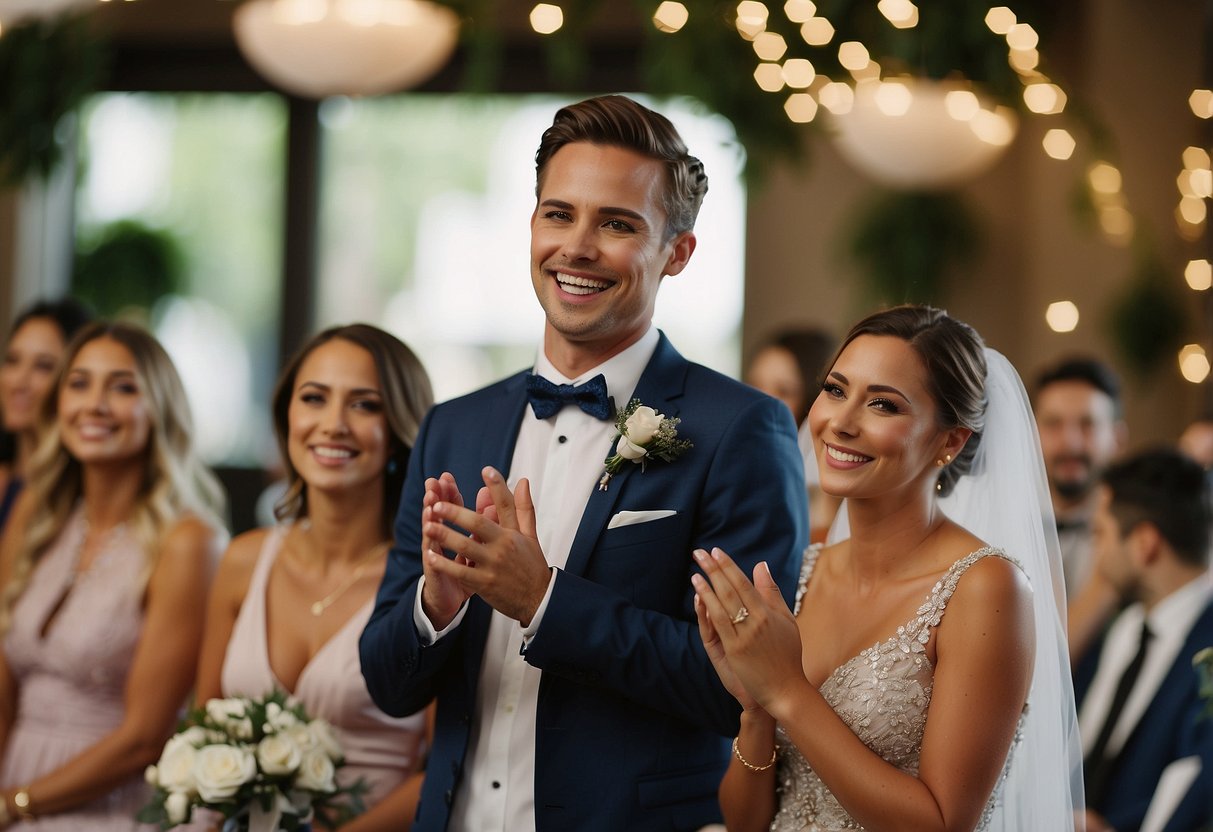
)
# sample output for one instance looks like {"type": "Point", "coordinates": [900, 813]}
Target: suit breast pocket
{"type": "Point", "coordinates": [636, 533]}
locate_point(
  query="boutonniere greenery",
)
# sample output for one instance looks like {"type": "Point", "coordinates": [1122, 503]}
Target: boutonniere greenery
{"type": "Point", "coordinates": [644, 434]}
{"type": "Point", "coordinates": [1203, 662]}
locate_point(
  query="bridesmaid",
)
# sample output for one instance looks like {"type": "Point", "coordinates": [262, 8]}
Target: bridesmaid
{"type": "Point", "coordinates": [103, 564]}
{"type": "Point", "coordinates": [289, 602]}
{"type": "Point", "coordinates": [31, 361]}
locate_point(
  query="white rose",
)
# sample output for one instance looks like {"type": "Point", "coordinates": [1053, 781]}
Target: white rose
{"type": "Point", "coordinates": [177, 807]}
{"type": "Point", "coordinates": [175, 771]}
{"type": "Point", "coordinates": [642, 425]}
{"type": "Point", "coordinates": [316, 772]}
{"type": "Point", "coordinates": [279, 719]}
{"type": "Point", "coordinates": [222, 711]}
{"type": "Point", "coordinates": [302, 736]}
{"type": "Point", "coordinates": [629, 449]}
{"type": "Point", "coordinates": [220, 771]}
{"type": "Point", "coordinates": [278, 754]}
{"type": "Point", "coordinates": [151, 776]}
{"type": "Point", "coordinates": [195, 737]}
{"type": "Point", "coordinates": [325, 738]}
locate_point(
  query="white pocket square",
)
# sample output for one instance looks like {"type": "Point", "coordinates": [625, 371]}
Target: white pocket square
{"type": "Point", "coordinates": [631, 518]}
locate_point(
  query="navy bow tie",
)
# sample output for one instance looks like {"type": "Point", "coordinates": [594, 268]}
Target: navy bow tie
{"type": "Point", "coordinates": [547, 399]}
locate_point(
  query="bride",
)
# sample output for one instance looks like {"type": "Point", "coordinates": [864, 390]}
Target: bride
{"type": "Point", "coordinates": [922, 682]}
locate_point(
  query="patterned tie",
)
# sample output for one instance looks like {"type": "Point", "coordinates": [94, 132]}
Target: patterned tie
{"type": "Point", "coordinates": [547, 399]}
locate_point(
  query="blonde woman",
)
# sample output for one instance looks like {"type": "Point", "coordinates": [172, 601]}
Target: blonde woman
{"type": "Point", "coordinates": [289, 602]}
{"type": "Point", "coordinates": [104, 565]}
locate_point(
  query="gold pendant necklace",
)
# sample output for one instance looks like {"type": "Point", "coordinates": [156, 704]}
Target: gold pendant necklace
{"type": "Point", "coordinates": [318, 607]}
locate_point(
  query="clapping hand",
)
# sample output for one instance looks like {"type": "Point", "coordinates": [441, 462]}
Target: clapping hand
{"type": "Point", "coordinates": [442, 595]}
{"type": "Point", "coordinates": [748, 631]}
{"type": "Point", "coordinates": [501, 560]}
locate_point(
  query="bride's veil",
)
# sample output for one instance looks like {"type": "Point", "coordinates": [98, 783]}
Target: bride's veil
{"type": "Point", "coordinates": [1005, 501]}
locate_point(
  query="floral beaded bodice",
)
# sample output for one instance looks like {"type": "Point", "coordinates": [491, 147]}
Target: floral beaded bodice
{"type": "Point", "coordinates": [883, 694]}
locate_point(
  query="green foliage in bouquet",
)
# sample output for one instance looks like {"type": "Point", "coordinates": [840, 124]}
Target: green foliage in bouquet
{"type": "Point", "coordinates": [247, 759]}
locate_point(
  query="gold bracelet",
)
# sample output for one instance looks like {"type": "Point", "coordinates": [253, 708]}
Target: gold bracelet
{"type": "Point", "coordinates": [21, 803]}
{"type": "Point", "coordinates": [747, 763]}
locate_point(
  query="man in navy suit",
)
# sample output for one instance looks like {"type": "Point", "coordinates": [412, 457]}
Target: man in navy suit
{"type": "Point", "coordinates": [554, 620]}
{"type": "Point", "coordinates": [1140, 713]}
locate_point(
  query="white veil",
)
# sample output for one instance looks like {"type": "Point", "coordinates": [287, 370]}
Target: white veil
{"type": "Point", "coordinates": [1005, 501]}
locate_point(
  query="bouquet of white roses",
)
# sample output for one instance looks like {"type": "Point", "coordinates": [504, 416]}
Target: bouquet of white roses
{"type": "Point", "coordinates": [260, 763]}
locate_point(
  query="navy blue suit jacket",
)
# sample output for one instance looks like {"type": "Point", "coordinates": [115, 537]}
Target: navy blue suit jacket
{"type": "Point", "coordinates": [630, 715]}
{"type": "Point", "coordinates": [1172, 727]}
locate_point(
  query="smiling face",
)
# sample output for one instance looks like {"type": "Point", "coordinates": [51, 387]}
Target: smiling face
{"type": "Point", "coordinates": [875, 426]}
{"type": "Point", "coordinates": [599, 250]}
{"type": "Point", "coordinates": [104, 415]}
{"type": "Point", "coordinates": [28, 372]}
{"type": "Point", "coordinates": [1078, 437]}
{"type": "Point", "coordinates": [337, 430]}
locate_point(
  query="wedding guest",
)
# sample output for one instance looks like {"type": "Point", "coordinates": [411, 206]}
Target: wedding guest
{"type": "Point", "coordinates": [788, 366]}
{"type": "Point", "coordinates": [290, 601]}
{"type": "Point", "coordinates": [1139, 695]}
{"type": "Point", "coordinates": [1197, 442]}
{"type": "Point", "coordinates": [31, 359]}
{"type": "Point", "coordinates": [1078, 414]}
{"type": "Point", "coordinates": [895, 697]}
{"type": "Point", "coordinates": [104, 565]}
{"type": "Point", "coordinates": [559, 641]}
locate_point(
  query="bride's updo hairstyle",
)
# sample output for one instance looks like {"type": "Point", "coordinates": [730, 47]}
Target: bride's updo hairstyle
{"type": "Point", "coordinates": [954, 356]}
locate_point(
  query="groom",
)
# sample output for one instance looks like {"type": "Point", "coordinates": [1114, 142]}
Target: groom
{"type": "Point", "coordinates": [573, 689]}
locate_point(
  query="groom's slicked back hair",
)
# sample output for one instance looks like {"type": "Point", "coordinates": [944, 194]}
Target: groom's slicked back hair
{"type": "Point", "coordinates": [618, 121]}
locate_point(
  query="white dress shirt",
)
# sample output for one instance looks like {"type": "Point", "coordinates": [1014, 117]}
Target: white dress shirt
{"type": "Point", "coordinates": [563, 458]}
{"type": "Point", "coordinates": [1170, 622]}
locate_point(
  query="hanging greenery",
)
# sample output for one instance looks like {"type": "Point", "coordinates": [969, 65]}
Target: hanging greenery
{"type": "Point", "coordinates": [47, 68]}
{"type": "Point", "coordinates": [1148, 322]}
{"type": "Point", "coordinates": [126, 266]}
{"type": "Point", "coordinates": [907, 243]}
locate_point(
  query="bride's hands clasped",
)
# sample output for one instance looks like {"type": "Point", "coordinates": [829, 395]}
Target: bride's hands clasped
{"type": "Point", "coordinates": [748, 631]}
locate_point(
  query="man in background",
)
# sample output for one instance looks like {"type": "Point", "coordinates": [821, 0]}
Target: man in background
{"type": "Point", "coordinates": [1146, 739]}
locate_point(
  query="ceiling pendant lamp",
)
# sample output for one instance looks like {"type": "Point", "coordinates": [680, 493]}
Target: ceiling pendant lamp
{"type": "Point", "coordinates": [920, 133]}
{"type": "Point", "coordinates": [319, 48]}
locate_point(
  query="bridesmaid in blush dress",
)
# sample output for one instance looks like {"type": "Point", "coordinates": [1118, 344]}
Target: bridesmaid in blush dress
{"type": "Point", "coordinates": [289, 602]}
{"type": "Point", "coordinates": [104, 566]}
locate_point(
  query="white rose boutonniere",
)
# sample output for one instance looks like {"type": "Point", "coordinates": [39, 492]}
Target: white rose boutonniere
{"type": "Point", "coordinates": [644, 434]}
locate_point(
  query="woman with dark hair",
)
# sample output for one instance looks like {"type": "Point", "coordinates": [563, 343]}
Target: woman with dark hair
{"type": "Point", "coordinates": [104, 565]}
{"type": "Point", "coordinates": [789, 367]}
{"type": "Point", "coordinates": [289, 602]}
{"type": "Point", "coordinates": [869, 707]}
{"type": "Point", "coordinates": [36, 342]}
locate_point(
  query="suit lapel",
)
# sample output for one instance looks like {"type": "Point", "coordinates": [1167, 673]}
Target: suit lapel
{"type": "Point", "coordinates": [661, 386]}
{"type": "Point", "coordinates": [497, 446]}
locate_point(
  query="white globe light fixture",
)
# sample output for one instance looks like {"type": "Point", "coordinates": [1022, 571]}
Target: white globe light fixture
{"type": "Point", "coordinates": [318, 48]}
{"type": "Point", "coordinates": [923, 134]}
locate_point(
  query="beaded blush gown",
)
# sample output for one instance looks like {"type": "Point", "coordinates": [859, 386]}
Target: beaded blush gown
{"type": "Point", "coordinates": [70, 648]}
{"type": "Point", "coordinates": [380, 749]}
{"type": "Point", "coordinates": [882, 694]}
